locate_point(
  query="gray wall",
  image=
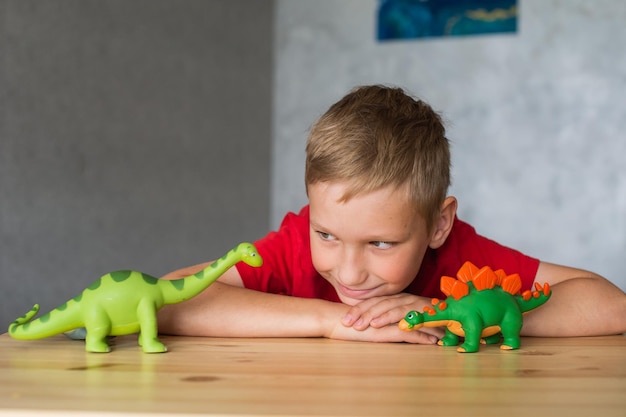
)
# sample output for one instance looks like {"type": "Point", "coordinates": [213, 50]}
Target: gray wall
{"type": "Point", "coordinates": [134, 134]}
{"type": "Point", "coordinates": [536, 119]}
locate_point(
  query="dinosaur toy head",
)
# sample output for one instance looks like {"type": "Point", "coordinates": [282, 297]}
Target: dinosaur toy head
{"type": "Point", "coordinates": [249, 254]}
{"type": "Point", "coordinates": [411, 320]}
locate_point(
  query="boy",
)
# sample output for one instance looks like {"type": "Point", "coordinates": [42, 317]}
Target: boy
{"type": "Point", "coordinates": [372, 244]}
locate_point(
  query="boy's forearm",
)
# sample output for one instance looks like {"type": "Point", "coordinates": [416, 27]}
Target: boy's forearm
{"type": "Point", "coordinates": [579, 307]}
{"type": "Point", "coordinates": [226, 311]}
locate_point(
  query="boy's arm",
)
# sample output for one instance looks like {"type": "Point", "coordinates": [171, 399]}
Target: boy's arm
{"type": "Point", "coordinates": [226, 309]}
{"type": "Point", "coordinates": [582, 304]}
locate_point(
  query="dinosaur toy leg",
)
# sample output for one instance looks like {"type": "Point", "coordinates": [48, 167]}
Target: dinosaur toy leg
{"type": "Point", "coordinates": [511, 327]}
{"type": "Point", "coordinates": [473, 328]}
{"type": "Point", "coordinates": [449, 339]}
{"type": "Point", "coordinates": [511, 340]}
{"type": "Point", "coordinates": [511, 343]}
{"type": "Point", "coordinates": [472, 341]}
{"type": "Point", "coordinates": [97, 330]}
{"type": "Point", "coordinates": [148, 340]}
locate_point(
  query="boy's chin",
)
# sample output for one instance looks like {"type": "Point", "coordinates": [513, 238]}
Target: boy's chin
{"type": "Point", "coordinates": [348, 300]}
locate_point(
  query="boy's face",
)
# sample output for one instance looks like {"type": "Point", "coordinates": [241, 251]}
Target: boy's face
{"type": "Point", "coordinates": [371, 245]}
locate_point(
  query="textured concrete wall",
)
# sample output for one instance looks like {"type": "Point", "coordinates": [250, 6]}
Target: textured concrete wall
{"type": "Point", "coordinates": [536, 119]}
{"type": "Point", "coordinates": [134, 134]}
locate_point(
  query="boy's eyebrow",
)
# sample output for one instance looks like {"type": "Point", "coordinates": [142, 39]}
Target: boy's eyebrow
{"type": "Point", "coordinates": [314, 224]}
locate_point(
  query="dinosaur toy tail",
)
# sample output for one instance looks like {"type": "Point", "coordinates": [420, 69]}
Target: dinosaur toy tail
{"type": "Point", "coordinates": [530, 300]}
{"type": "Point", "coordinates": [21, 321]}
{"type": "Point", "coordinates": [25, 328]}
{"type": "Point", "coordinates": [25, 318]}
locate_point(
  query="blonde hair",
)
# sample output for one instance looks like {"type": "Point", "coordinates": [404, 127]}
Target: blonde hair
{"type": "Point", "coordinates": [379, 136]}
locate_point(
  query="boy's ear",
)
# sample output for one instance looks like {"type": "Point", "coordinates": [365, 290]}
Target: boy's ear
{"type": "Point", "coordinates": [443, 224]}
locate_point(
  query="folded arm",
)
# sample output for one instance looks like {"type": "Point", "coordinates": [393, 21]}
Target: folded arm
{"type": "Point", "coordinates": [226, 309]}
{"type": "Point", "coordinates": [582, 304]}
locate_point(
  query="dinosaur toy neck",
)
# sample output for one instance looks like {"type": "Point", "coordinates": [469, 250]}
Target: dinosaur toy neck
{"type": "Point", "coordinates": [179, 290]}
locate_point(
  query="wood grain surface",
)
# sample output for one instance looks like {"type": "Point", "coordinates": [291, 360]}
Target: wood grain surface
{"type": "Point", "coordinates": [313, 377]}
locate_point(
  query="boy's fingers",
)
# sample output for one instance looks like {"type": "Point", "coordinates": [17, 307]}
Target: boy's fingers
{"type": "Point", "coordinates": [376, 312]}
{"type": "Point", "coordinates": [356, 313]}
{"type": "Point", "coordinates": [379, 312]}
{"type": "Point", "coordinates": [389, 317]}
{"type": "Point", "coordinates": [350, 318]}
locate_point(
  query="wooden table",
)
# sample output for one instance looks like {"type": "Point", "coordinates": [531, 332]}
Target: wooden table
{"type": "Point", "coordinates": [307, 377]}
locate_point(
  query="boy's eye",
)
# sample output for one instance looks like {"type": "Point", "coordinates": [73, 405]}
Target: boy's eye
{"type": "Point", "coordinates": [326, 236]}
{"type": "Point", "coordinates": [381, 245]}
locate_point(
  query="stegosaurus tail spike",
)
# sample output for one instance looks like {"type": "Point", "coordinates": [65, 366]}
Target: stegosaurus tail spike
{"type": "Point", "coordinates": [453, 287]}
{"type": "Point", "coordinates": [484, 279]}
{"type": "Point", "coordinates": [467, 272]}
{"type": "Point", "coordinates": [512, 284]}
{"type": "Point", "coordinates": [545, 288]}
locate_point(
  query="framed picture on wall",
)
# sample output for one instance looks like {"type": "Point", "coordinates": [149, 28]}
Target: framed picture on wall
{"type": "Point", "coordinates": [410, 19]}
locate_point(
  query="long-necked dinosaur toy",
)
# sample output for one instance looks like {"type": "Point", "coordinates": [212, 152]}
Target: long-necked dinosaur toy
{"type": "Point", "coordinates": [126, 302]}
{"type": "Point", "coordinates": [481, 303]}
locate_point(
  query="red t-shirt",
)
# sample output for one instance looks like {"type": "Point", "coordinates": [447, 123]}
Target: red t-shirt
{"type": "Point", "coordinates": [288, 269]}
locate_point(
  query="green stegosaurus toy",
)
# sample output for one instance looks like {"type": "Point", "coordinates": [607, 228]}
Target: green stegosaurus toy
{"type": "Point", "coordinates": [481, 303]}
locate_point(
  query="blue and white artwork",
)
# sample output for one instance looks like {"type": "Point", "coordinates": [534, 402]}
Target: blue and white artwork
{"type": "Point", "coordinates": [409, 19]}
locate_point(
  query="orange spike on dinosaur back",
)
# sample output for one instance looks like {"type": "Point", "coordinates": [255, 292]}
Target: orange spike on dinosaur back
{"type": "Point", "coordinates": [484, 279]}
{"type": "Point", "coordinates": [512, 284]}
{"type": "Point", "coordinates": [453, 287]}
{"type": "Point", "coordinates": [500, 276]}
{"type": "Point", "coordinates": [467, 272]}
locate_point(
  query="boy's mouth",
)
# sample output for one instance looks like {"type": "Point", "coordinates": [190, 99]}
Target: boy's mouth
{"type": "Point", "coordinates": [359, 294]}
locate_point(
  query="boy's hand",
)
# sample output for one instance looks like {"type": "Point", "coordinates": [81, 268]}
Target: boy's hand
{"type": "Point", "coordinates": [379, 312]}
{"type": "Point", "coordinates": [389, 333]}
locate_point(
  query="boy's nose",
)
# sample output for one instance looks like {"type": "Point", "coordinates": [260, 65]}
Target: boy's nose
{"type": "Point", "coordinates": [352, 271]}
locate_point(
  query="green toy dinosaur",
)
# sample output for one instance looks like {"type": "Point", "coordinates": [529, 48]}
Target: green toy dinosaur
{"type": "Point", "coordinates": [126, 302]}
{"type": "Point", "coordinates": [480, 303]}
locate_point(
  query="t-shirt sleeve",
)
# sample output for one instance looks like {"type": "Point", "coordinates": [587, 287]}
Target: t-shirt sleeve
{"type": "Point", "coordinates": [279, 250]}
